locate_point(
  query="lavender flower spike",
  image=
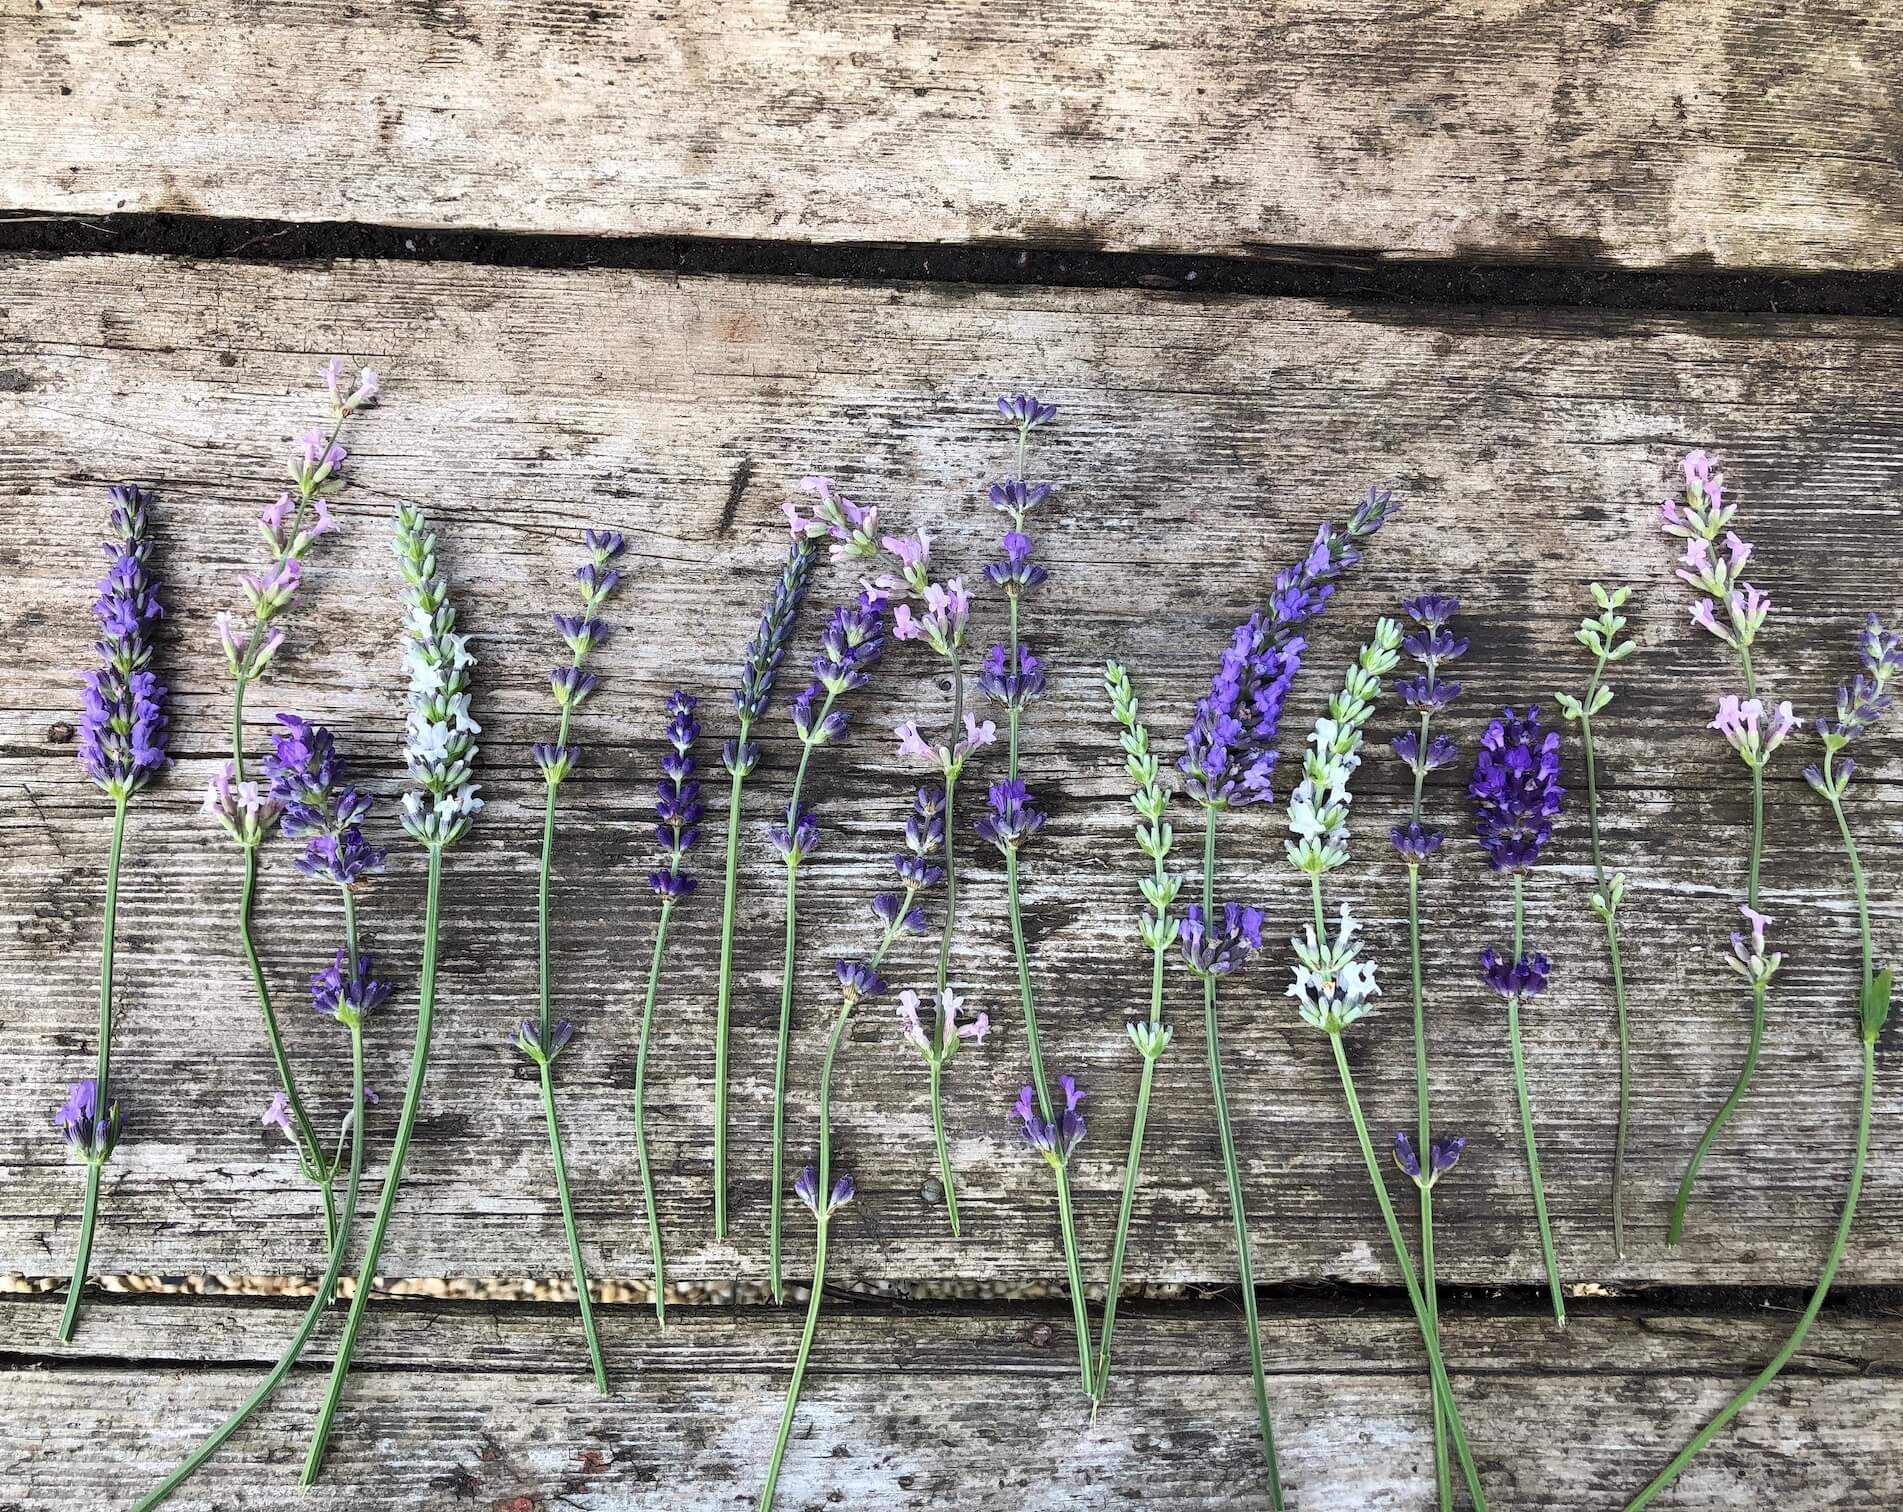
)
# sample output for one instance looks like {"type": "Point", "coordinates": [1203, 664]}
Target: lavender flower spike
{"type": "Point", "coordinates": [318, 806]}
{"type": "Point", "coordinates": [122, 730]}
{"type": "Point", "coordinates": [440, 750]}
{"type": "Point", "coordinates": [1056, 1139]}
{"type": "Point", "coordinates": [1516, 790]}
{"type": "Point", "coordinates": [1443, 1155]}
{"type": "Point", "coordinates": [440, 753]}
{"type": "Point", "coordinates": [122, 735]}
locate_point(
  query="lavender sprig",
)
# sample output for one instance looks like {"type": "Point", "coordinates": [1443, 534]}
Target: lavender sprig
{"type": "Point", "coordinates": [1516, 795]}
{"type": "Point", "coordinates": [1602, 636]}
{"type": "Point", "coordinates": [1158, 926]}
{"type": "Point", "coordinates": [849, 649]}
{"type": "Point", "coordinates": [1861, 703]}
{"type": "Point", "coordinates": [1431, 645]}
{"type": "Point", "coordinates": [1228, 760]}
{"type": "Point", "coordinates": [677, 812]}
{"type": "Point", "coordinates": [1714, 564]}
{"type": "Point", "coordinates": [759, 672]}
{"type": "Point", "coordinates": [309, 787]}
{"type": "Point", "coordinates": [122, 739]}
{"type": "Point", "coordinates": [541, 1039]}
{"type": "Point", "coordinates": [1014, 678]}
{"type": "Point", "coordinates": [440, 754]}
{"type": "Point", "coordinates": [940, 623]}
{"type": "Point", "coordinates": [1333, 985]}
{"type": "Point", "coordinates": [290, 527]}
{"type": "Point", "coordinates": [898, 915]}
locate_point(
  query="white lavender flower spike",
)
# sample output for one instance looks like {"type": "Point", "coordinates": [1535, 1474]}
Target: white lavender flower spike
{"type": "Point", "coordinates": [439, 750]}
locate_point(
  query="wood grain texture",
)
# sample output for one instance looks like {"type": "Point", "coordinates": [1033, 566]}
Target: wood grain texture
{"type": "Point", "coordinates": [1678, 134]}
{"type": "Point", "coordinates": [1198, 445]}
{"type": "Point", "coordinates": [468, 1406]}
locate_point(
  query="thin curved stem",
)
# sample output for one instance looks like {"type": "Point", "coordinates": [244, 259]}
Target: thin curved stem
{"type": "Point", "coordinates": [326, 1289]}
{"type": "Point", "coordinates": [724, 1001]}
{"type": "Point", "coordinates": [641, 1117]}
{"type": "Point", "coordinates": [786, 1010]}
{"type": "Point", "coordinates": [938, 1141]}
{"type": "Point", "coordinates": [1618, 971]}
{"type": "Point", "coordinates": [386, 1201]}
{"type": "Point", "coordinates": [945, 1176]}
{"type": "Point", "coordinates": [1526, 1114]}
{"type": "Point", "coordinates": [102, 1101]}
{"type": "Point", "coordinates": [1232, 1174]}
{"type": "Point", "coordinates": [1436, 1364]}
{"type": "Point", "coordinates": [1079, 1310]}
{"type": "Point", "coordinates": [1132, 1165]}
{"type": "Point", "coordinates": [1675, 1229]}
{"type": "Point", "coordinates": [1430, 1286]}
{"type": "Point", "coordinates": [1791, 1345]}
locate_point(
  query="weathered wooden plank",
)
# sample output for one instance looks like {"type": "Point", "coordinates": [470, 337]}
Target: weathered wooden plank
{"type": "Point", "coordinates": [458, 1405]}
{"type": "Point", "coordinates": [1199, 443]}
{"type": "Point", "coordinates": [1683, 134]}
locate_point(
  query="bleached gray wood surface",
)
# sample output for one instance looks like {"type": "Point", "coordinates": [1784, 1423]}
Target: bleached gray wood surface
{"type": "Point", "coordinates": [1687, 134]}
{"type": "Point", "coordinates": [459, 1406]}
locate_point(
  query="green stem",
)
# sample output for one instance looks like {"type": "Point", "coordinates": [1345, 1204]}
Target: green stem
{"type": "Point", "coordinates": [641, 1117]}
{"type": "Point", "coordinates": [102, 1104]}
{"type": "Point", "coordinates": [1436, 1364]}
{"type": "Point", "coordinates": [1034, 1047]}
{"type": "Point", "coordinates": [325, 1290]}
{"type": "Point", "coordinates": [1791, 1345]}
{"type": "Point", "coordinates": [823, 1216]}
{"type": "Point", "coordinates": [799, 1365]}
{"type": "Point", "coordinates": [944, 1154]}
{"type": "Point", "coordinates": [724, 1001]}
{"type": "Point", "coordinates": [1131, 1167]}
{"type": "Point", "coordinates": [386, 1201]}
{"type": "Point", "coordinates": [1232, 1173]}
{"type": "Point", "coordinates": [786, 1012]}
{"type": "Point", "coordinates": [779, 1079]}
{"type": "Point", "coordinates": [1526, 1112]}
{"type": "Point", "coordinates": [1621, 1127]}
{"type": "Point", "coordinates": [1675, 1229]}
{"type": "Point", "coordinates": [310, 1152]}
{"type": "Point", "coordinates": [1430, 1285]}
{"type": "Point", "coordinates": [556, 1158]}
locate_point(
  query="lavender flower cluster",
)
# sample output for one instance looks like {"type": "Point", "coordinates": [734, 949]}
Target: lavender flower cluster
{"type": "Point", "coordinates": [440, 751]}
{"type": "Point", "coordinates": [122, 729]}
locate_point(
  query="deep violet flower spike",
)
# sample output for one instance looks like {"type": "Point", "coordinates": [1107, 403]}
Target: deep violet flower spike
{"type": "Point", "coordinates": [88, 1135]}
{"type": "Point", "coordinates": [1516, 790]}
{"type": "Point", "coordinates": [1025, 410]}
{"type": "Point", "coordinates": [345, 990]}
{"type": "Point", "coordinates": [677, 806]}
{"type": "Point", "coordinates": [1016, 687]}
{"type": "Point", "coordinates": [767, 650]}
{"type": "Point", "coordinates": [1218, 951]}
{"type": "Point", "coordinates": [1056, 1139]}
{"type": "Point", "coordinates": [123, 725]}
{"type": "Point", "coordinates": [1521, 978]}
{"type": "Point", "coordinates": [1013, 816]}
{"type": "Point", "coordinates": [851, 645]}
{"type": "Point", "coordinates": [319, 806]}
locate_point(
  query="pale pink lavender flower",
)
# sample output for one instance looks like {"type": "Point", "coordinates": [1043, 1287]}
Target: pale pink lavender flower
{"type": "Point", "coordinates": [1752, 733]}
{"type": "Point", "coordinates": [854, 531]}
{"type": "Point", "coordinates": [939, 1042]}
{"type": "Point", "coordinates": [1750, 957]}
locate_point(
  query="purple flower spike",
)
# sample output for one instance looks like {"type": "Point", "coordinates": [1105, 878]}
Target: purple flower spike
{"type": "Point", "coordinates": [1208, 953]}
{"type": "Point", "coordinates": [1516, 790]}
{"type": "Point", "coordinates": [88, 1135]}
{"type": "Point", "coordinates": [797, 838]}
{"type": "Point", "coordinates": [306, 782]}
{"type": "Point", "coordinates": [122, 727]}
{"type": "Point", "coordinates": [1522, 978]}
{"type": "Point", "coordinates": [858, 982]}
{"type": "Point", "coordinates": [1863, 701]}
{"type": "Point", "coordinates": [345, 991]}
{"type": "Point", "coordinates": [1056, 1140]}
{"type": "Point", "coordinates": [767, 650]}
{"type": "Point", "coordinates": [1415, 841]}
{"type": "Point", "coordinates": [1440, 750]}
{"type": "Point", "coordinates": [677, 804]}
{"type": "Point", "coordinates": [1443, 1155]}
{"type": "Point", "coordinates": [1017, 574]}
{"type": "Point", "coordinates": [1014, 687]}
{"type": "Point", "coordinates": [1013, 817]}
{"type": "Point", "coordinates": [1026, 411]}
{"type": "Point", "coordinates": [851, 646]}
